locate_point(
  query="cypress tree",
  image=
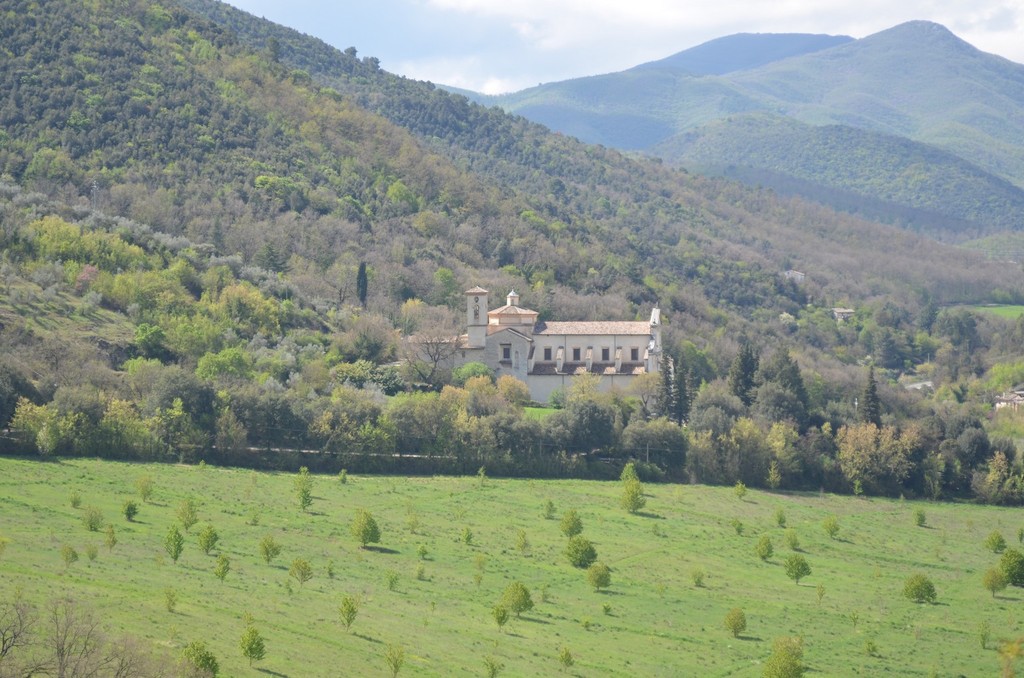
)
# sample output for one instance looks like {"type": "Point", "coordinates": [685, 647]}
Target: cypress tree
{"type": "Point", "coordinates": [667, 393]}
{"type": "Point", "coordinates": [870, 409]}
{"type": "Point", "coordinates": [742, 371]}
{"type": "Point", "coordinates": [361, 284]}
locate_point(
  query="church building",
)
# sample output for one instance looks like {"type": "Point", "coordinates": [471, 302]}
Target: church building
{"type": "Point", "coordinates": [547, 355]}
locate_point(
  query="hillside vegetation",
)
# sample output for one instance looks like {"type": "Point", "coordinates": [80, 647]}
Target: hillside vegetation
{"type": "Point", "coordinates": [450, 547]}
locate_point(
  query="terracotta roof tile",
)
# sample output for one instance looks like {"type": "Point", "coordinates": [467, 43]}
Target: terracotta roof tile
{"type": "Point", "coordinates": [636, 328]}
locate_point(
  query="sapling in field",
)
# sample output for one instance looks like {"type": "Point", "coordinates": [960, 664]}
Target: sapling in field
{"type": "Point", "coordinates": [797, 567]}
{"type": "Point", "coordinates": [269, 549]}
{"type": "Point", "coordinates": [253, 646]}
{"type": "Point", "coordinates": [600, 576]}
{"type": "Point", "coordinates": [223, 567]}
{"type": "Point", "coordinates": [736, 621]}
{"type": "Point", "coordinates": [188, 513]}
{"type": "Point", "coordinates": [348, 610]}
{"type": "Point", "coordinates": [174, 543]}
{"type": "Point", "coordinates": [208, 539]}
{"type": "Point", "coordinates": [571, 524]}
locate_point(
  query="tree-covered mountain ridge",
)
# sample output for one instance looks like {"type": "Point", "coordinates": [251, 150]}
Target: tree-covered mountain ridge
{"type": "Point", "coordinates": [916, 81]}
{"type": "Point", "coordinates": [212, 245]}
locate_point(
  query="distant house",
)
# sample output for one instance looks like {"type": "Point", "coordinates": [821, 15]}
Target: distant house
{"type": "Point", "coordinates": [1011, 399]}
{"type": "Point", "coordinates": [547, 355]}
{"type": "Point", "coordinates": [843, 314]}
{"type": "Point", "coordinates": [795, 276]}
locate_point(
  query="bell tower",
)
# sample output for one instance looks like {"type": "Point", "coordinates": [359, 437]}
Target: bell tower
{"type": "Point", "coordinates": [476, 317]}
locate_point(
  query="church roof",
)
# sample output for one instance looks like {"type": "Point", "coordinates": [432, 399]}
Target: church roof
{"type": "Point", "coordinates": [511, 310]}
{"type": "Point", "coordinates": [593, 327]}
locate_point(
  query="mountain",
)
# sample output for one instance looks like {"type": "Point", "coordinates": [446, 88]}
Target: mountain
{"type": "Point", "coordinates": [916, 81]}
{"type": "Point", "coordinates": [743, 51]}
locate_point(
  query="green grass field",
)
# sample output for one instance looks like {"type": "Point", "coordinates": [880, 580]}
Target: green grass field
{"type": "Point", "coordinates": [660, 623]}
{"type": "Point", "coordinates": [1002, 310]}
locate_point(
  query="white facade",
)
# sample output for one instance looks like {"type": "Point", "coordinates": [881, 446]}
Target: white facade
{"type": "Point", "coordinates": [547, 355]}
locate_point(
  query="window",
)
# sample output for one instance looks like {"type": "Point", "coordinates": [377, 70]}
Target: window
{"type": "Point", "coordinates": [604, 355]}
{"type": "Point", "coordinates": [576, 355]}
{"type": "Point", "coordinates": [547, 353]}
{"type": "Point", "coordinates": [506, 352]}
{"type": "Point", "coordinates": [634, 354]}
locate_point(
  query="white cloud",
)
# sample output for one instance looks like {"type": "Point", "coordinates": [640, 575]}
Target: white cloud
{"type": "Point", "coordinates": [504, 45]}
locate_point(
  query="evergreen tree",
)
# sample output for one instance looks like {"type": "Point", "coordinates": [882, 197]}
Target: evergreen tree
{"type": "Point", "coordinates": [742, 373]}
{"type": "Point", "coordinates": [667, 393]}
{"type": "Point", "coordinates": [784, 371]}
{"type": "Point", "coordinates": [684, 391]}
{"type": "Point", "coordinates": [362, 284]}
{"type": "Point", "coordinates": [870, 408]}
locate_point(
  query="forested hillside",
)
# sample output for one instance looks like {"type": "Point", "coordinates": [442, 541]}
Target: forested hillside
{"type": "Point", "coordinates": [218, 238]}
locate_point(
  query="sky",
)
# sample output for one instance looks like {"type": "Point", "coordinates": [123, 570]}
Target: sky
{"type": "Point", "coordinates": [496, 46]}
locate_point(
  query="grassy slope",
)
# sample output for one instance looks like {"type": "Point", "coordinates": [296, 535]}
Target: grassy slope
{"type": "Point", "coordinates": [660, 623]}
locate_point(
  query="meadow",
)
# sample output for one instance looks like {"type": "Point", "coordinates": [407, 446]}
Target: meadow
{"type": "Point", "coordinates": [652, 621]}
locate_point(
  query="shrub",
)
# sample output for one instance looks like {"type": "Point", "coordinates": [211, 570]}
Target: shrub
{"type": "Point", "coordinates": [737, 525]}
{"type": "Point", "coordinates": [394, 657]}
{"type": "Point", "coordinates": [764, 548]}
{"type": "Point", "coordinates": [580, 552]}
{"type": "Point", "coordinates": [75, 499]}
{"type": "Point", "coordinates": [792, 541]}
{"type": "Point", "coordinates": [129, 509]}
{"type": "Point", "coordinates": [170, 599]}
{"type": "Point", "coordinates": [919, 589]}
{"type": "Point", "coordinates": [565, 657]}
{"type": "Point", "coordinates": [697, 575]}
{"type": "Point", "coordinates": [736, 621]}
{"type": "Point", "coordinates": [780, 517]}
{"type": "Point", "coordinates": [92, 519]}
{"type": "Point", "coordinates": [549, 510]}
{"type": "Point", "coordinates": [919, 517]}
{"type": "Point", "coordinates": [740, 489]}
